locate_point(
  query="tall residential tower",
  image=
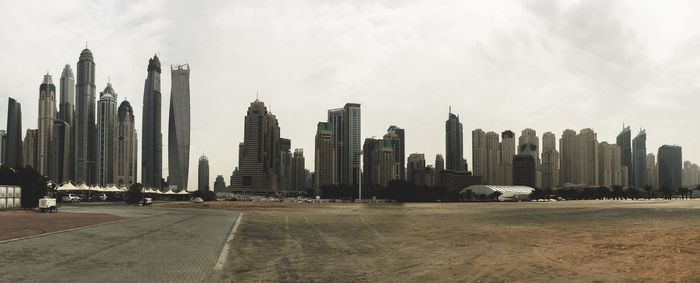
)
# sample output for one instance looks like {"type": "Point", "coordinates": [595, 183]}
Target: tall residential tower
{"type": "Point", "coordinates": [179, 127]}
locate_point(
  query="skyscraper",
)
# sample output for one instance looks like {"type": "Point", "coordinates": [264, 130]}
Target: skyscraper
{"type": "Point", "coordinates": [352, 141]}
{"type": "Point", "coordinates": [219, 184]}
{"type": "Point", "coordinates": [106, 138]}
{"type": "Point", "coordinates": [507, 152]}
{"type": "Point", "coordinates": [415, 161]}
{"type": "Point", "coordinates": [60, 152]}
{"type": "Point", "coordinates": [639, 160]}
{"type": "Point", "coordinates": [670, 167]}
{"type": "Point", "coordinates": [298, 170]}
{"type": "Point", "coordinates": [13, 148]}
{"type": "Point", "coordinates": [346, 123]}
{"type": "Point", "coordinates": [454, 149]}
{"type": "Point", "coordinates": [397, 137]}
{"type": "Point", "coordinates": [203, 174]}
{"type": "Point", "coordinates": [324, 167]}
{"type": "Point", "coordinates": [609, 173]}
{"type": "Point", "coordinates": [624, 142]}
{"type": "Point", "coordinates": [85, 119]}
{"type": "Point", "coordinates": [523, 170]}
{"type": "Point", "coordinates": [284, 172]}
{"type": "Point", "coordinates": [529, 143]}
{"type": "Point", "coordinates": [66, 113]}
{"type": "Point", "coordinates": [126, 146]}
{"type": "Point", "coordinates": [588, 157]}
{"type": "Point", "coordinates": [379, 164]}
{"type": "Point", "coordinates": [30, 148]}
{"type": "Point", "coordinates": [479, 153]}
{"type": "Point", "coordinates": [652, 171]}
{"type": "Point", "coordinates": [179, 127]}
{"type": "Point", "coordinates": [493, 159]}
{"type": "Point", "coordinates": [550, 161]}
{"type": "Point", "coordinates": [568, 146]}
{"type": "Point", "coordinates": [152, 138]}
{"type": "Point", "coordinates": [439, 163]}
{"type": "Point", "coordinates": [260, 151]}
{"type": "Point", "coordinates": [47, 114]}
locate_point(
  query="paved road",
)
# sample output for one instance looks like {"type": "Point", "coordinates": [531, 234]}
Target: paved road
{"type": "Point", "coordinates": [158, 245]}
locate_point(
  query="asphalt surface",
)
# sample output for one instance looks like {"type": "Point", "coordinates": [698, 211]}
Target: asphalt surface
{"type": "Point", "coordinates": [154, 245]}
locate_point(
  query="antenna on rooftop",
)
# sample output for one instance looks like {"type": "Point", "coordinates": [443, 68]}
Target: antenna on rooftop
{"type": "Point", "coordinates": [86, 44]}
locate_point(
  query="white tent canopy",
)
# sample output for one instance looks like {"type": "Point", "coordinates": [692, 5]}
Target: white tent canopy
{"type": "Point", "coordinates": [66, 187]}
{"type": "Point", "coordinates": [507, 192]}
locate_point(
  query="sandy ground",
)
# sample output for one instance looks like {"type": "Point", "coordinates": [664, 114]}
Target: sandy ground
{"type": "Point", "coordinates": [573, 241]}
{"type": "Point", "coordinates": [22, 223]}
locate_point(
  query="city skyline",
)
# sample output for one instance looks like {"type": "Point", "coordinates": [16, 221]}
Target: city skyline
{"type": "Point", "coordinates": [301, 99]}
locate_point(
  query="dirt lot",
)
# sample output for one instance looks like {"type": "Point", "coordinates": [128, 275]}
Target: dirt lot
{"type": "Point", "coordinates": [22, 223]}
{"type": "Point", "coordinates": [558, 241]}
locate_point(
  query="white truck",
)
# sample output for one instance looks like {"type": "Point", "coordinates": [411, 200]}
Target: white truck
{"type": "Point", "coordinates": [47, 204]}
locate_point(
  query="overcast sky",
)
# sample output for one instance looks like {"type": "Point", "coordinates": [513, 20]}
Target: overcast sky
{"type": "Point", "coordinates": [501, 65]}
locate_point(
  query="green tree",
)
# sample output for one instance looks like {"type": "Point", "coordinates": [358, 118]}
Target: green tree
{"type": "Point", "coordinates": [617, 192]}
{"type": "Point", "coordinates": [648, 189]}
{"type": "Point", "coordinates": [134, 195]}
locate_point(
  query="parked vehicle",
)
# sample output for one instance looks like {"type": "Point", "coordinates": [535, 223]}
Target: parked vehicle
{"type": "Point", "coordinates": [71, 198]}
{"type": "Point", "coordinates": [101, 197]}
{"type": "Point", "coordinates": [147, 202]}
{"type": "Point", "coordinates": [197, 200]}
{"type": "Point", "coordinates": [47, 204]}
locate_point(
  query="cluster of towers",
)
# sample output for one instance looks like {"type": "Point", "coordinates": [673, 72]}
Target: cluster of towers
{"type": "Point", "coordinates": [90, 140]}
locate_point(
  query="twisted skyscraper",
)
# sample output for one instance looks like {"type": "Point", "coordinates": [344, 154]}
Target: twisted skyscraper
{"type": "Point", "coordinates": [179, 127]}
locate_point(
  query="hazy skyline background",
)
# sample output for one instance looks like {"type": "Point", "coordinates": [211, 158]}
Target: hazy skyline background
{"type": "Point", "coordinates": [500, 65]}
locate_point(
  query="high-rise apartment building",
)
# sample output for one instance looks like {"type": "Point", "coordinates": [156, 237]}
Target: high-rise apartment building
{"type": "Point", "coordinates": [550, 161]}
{"type": "Point", "coordinates": [126, 146]}
{"type": "Point", "coordinates": [397, 137]}
{"type": "Point", "coordinates": [479, 153]}
{"type": "Point", "coordinates": [85, 130]}
{"type": "Point", "coordinates": [506, 154]}
{"type": "Point", "coordinates": [625, 144]}
{"type": "Point", "coordinates": [152, 138]}
{"type": "Point", "coordinates": [439, 163]}
{"type": "Point", "coordinates": [284, 172]}
{"type": "Point", "coordinates": [324, 160]}
{"type": "Point", "coordinates": [66, 113]}
{"type": "Point", "coordinates": [259, 153]}
{"type": "Point", "coordinates": [346, 123]}
{"type": "Point", "coordinates": [523, 170]}
{"type": "Point", "coordinates": [379, 164]}
{"type": "Point", "coordinates": [652, 172]}
{"type": "Point", "coordinates": [416, 161]}
{"type": "Point", "coordinates": [106, 138]}
{"type": "Point", "coordinates": [47, 114]}
{"type": "Point", "coordinates": [454, 149]}
{"type": "Point", "coordinates": [493, 159]}
{"type": "Point", "coordinates": [670, 167]}
{"type": "Point", "coordinates": [568, 146]}
{"type": "Point", "coordinates": [203, 174]}
{"type": "Point", "coordinates": [639, 160]}
{"type": "Point", "coordinates": [587, 157]}
{"type": "Point", "coordinates": [13, 148]}
{"type": "Point", "coordinates": [691, 175]}
{"type": "Point", "coordinates": [30, 147]}
{"type": "Point", "coordinates": [529, 144]}
{"type": "Point", "coordinates": [298, 170]}
{"type": "Point", "coordinates": [60, 152]}
{"type": "Point", "coordinates": [179, 127]}
{"type": "Point", "coordinates": [609, 173]}
{"type": "Point", "coordinates": [219, 184]}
